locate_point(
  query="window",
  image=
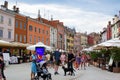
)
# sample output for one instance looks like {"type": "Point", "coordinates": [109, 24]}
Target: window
{"type": "Point", "coordinates": [34, 39]}
{"type": "Point", "coordinates": [20, 38]}
{"type": "Point", "coordinates": [30, 27]}
{"type": "Point", "coordinates": [39, 30]}
{"type": "Point", "coordinates": [16, 37]}
{"type": "Point", "coordinates": [24, 26]}
{"type": "Point", "coordinates": [43, 39]}
{"type": "Point", "coordinates": [47, 32]}
{"type": "Point", "coordinates": [47, 41]}
{"type": "Point", "coordinates": [16, 24]}
{"type": "Point", "coordinates": [24, 38]}
{"type": "Point", "coordinates": [38, 39]}
{"type": "Point", "coordinates": [43, 31]}
{"type": "Point", "coordinates": [60, 36]}
{"type": "Point", "coordinates": [10, 22]}
{"type": "Point", "coordinates": [1, 19]}
{"type": "Point", "coordinates": [9, 34]}
{"type": "Point", "coordinates": [30, 38]}
{"type": "Point", "coordinates": [35, 29]}
{"type": "Point", "coordinates": [1, 33]}
{"type": "Point", "coordinates": [20, 25]}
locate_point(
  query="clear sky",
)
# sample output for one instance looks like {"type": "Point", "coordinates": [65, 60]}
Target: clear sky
{"type": "Point", "coordinates": [84, 15]}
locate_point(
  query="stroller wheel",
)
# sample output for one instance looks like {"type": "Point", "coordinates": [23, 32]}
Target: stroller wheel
{"type": "Point", "coordinates": [36, 78]}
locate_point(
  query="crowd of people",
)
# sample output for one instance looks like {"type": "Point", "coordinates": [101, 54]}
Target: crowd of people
{"type": "Point", "coordinates": [78, 60]}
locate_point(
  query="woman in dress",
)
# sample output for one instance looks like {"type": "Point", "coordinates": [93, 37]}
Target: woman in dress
{"type": "Point", "coordinates": [33, 58]}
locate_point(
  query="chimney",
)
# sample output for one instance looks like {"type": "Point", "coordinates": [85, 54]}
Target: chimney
{"type": "Point", "coordinates": [6, 4]}
{"type": "Point", "coordinates": [14, 8]}
{"type": "Point", "coordinates": [116, 18]}
{"type": "Point", "coordinates": [109, 22]}
{"type": "Point", "coordinates": [39, 16]}
{"type": "Point", "coordinates": [17, 10]}
{"type": "Point", "coordinates": [116, 15]}
{"type": "Point", "coordinates": [51, 17]}
{"type": "Point", "coordinates": [113, 20]}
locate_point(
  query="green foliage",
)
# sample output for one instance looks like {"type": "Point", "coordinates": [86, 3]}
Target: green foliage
{"type": "Point", "coordinates": [116, 54]}
{"type": "Point", "coordinates": [15, 52]}
{"type": "Point", "coordinates": [94, 55]}
{"type": "Point", "coordinates": [25, 51]}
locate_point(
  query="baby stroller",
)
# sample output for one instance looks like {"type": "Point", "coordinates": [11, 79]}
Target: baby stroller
{"type": "Point", "coordinates": [42, 71]}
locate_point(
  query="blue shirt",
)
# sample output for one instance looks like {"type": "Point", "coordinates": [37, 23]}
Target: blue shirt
{"type": "Point", "coordinates": [56, 55]}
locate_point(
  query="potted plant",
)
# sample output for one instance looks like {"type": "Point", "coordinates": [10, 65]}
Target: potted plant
{"type": "Point", "coordinates": [116, 59]}
{"type": "Point", "coordinates": [94, 58]}
{"type": "Point", "coordinates": [103, 58]}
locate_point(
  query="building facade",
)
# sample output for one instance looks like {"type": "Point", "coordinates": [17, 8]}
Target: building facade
{"type": "Point", "coordinates": [70, 38]}
{"type": "Point", "coordinates": [84, 41]}
{"type": "Point", "coordinates": [7, 20]}
{"type": "Point", "coordinates": [77, 41]}
{"type": "Point", "coordinates": [20, 28]}
{"type": "Point", "coordinates": [37, 32]}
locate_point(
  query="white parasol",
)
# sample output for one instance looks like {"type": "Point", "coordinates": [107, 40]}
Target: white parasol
{"type": "Point", "coordinates": [39, 44]}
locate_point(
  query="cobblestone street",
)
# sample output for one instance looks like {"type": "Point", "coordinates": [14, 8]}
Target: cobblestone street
{"type": "Point", "coordinates": [22, 72]}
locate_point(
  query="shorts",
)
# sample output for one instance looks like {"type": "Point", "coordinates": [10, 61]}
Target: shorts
{"type": "Point", "coordinates": [57, 62]}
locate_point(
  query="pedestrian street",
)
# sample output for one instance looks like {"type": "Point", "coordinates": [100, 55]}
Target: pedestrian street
{"type": "Point", "coordinates": [22, 72]}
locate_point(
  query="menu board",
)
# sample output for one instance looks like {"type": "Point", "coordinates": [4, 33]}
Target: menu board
{"type": "Point", "coordinates": [6, 56]}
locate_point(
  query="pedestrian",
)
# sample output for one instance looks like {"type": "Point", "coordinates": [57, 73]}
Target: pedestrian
{"type": "Point", "coordinates": [56, 59]}
{"type": "Point", "coordinates": [63, 58]}
{"type": "Point", "coordinates": [71, 59]}
{"type": "Point", "coordinates": [78, 60]}
{"type": "Point", "coordinates": [88, 59]}
{"type": "Point", "coordinates": [48, 58]}
{"type": "Point", "coordinates": [51, 59]}
{"type": "Point", "coordinates": [2, 66]}
{"type": "Point", "coordinates": [83, 60]}
{"type": "Point", "coordinates": [33, 58]}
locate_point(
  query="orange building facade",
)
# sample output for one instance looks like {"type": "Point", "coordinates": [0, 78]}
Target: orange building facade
{"type": "Point", "coordinates": [20, 28]}
{"type": "Point", "coordinates": [37, 32]}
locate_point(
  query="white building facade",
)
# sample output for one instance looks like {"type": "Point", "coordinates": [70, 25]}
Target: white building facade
{"type": "Point", "coordinates": [53, 37]}
{"type": "Point", "coordinates": [104, 36]}
{"type": "Point", "coordinates": [7, 21]}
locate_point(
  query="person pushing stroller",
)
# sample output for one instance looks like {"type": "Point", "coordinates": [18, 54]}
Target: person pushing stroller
{"type": "Point", "coordinates": [42, 71]}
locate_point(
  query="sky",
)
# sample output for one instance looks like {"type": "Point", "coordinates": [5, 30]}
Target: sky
{"type": "Point", "coordinates": [83, 15]}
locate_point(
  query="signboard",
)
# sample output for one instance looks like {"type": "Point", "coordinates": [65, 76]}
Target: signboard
{"type": "Point", "coordinates": [40, 53]}
{"type": "Point", "coordinates": [6, 56]}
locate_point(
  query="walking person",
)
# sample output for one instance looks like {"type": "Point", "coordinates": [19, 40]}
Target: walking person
{"type": "Point", "coordinates": [71, 59]}
{"type": "Point", "coordinates": [33, 58]}
{"type": "Point", "coordinates": [2, 66]}
{"type": "Point", "coordinates": [83, 60]}
{"type": "Point", "coordinates": [56, 59]}
{"type": "Point", "coordinates": [78, 60]}
{"type": "Point", "coordinates": [51, 60]}
{"type": "Point", "coordinates": [63, 58]}
{"type": "Point", "coordinates": [88, 59]}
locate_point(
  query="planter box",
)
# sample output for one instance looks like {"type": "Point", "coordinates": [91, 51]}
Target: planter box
{"type": "Point", "coordinates": [116, 70]}
{"type": "Point", "coordinates": [103, 67]}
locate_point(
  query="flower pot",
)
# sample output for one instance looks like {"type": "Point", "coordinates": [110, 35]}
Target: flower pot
{"type": "Point", "coordinates": [116, 69]}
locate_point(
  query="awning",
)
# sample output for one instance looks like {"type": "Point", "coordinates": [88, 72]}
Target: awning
{"type": "Point", "coordinates": [5, 43]}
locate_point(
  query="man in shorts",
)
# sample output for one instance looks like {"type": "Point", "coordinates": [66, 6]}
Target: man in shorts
{"type": "Point", "coordinates": [56, 59]}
